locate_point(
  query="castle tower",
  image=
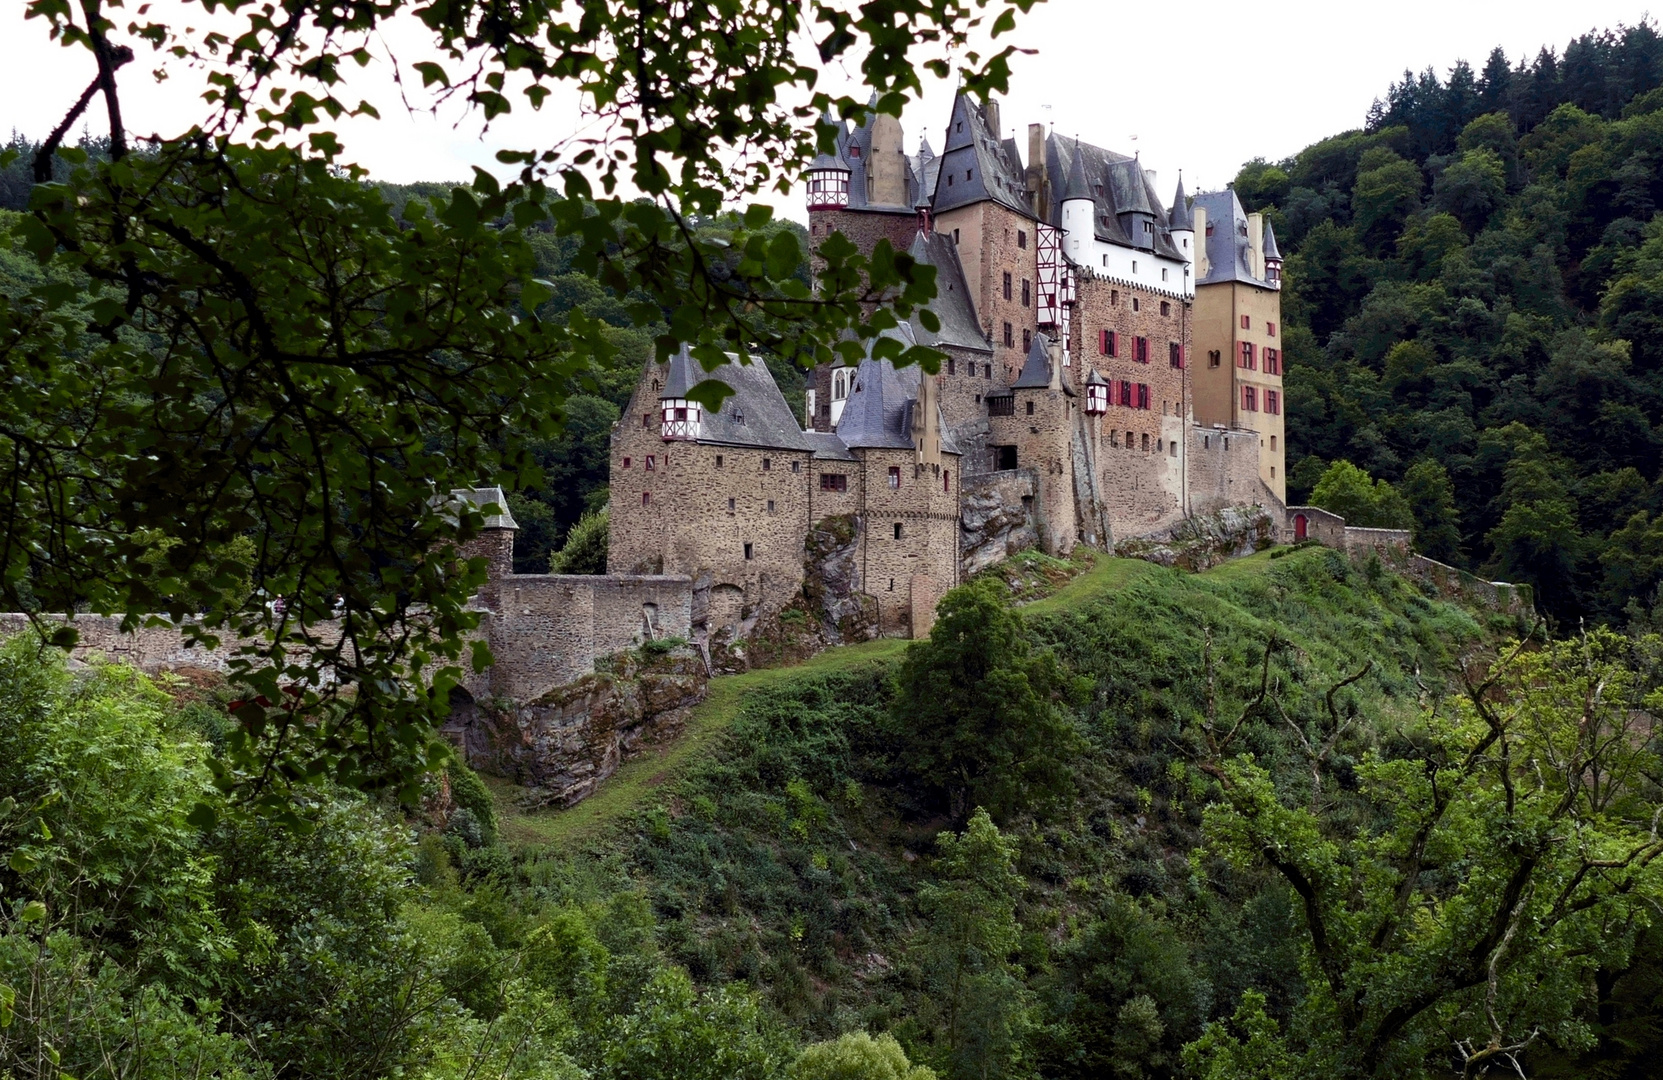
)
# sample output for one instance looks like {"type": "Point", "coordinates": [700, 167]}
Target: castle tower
{"type": "Point", "coordinates": [1272, 257]}
{"type": "Point", "coordinates": [1079, 210]}
{"type": "Point", "coordinates": [1181, 224]}
{"type": "Point", "coordinates": [828, 180]}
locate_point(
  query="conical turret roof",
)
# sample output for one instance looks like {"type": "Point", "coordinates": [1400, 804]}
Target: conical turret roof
{"type": "Point", "coordinates": [1180, 218]}
{"type": "Point", "coordinates": [1036, 372]}
{"type": "Point", "coordinates": [1271, 251]}
{"type": "Point", "coordinates": [1075, 186]}
{"type": "Point", "coordinates": [833, 160]}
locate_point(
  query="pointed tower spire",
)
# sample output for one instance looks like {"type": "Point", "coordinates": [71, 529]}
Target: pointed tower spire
{"type": "Point", "coordinates": [1075, 186]}
{"type": "Point", "coordinates": [1180, 218]}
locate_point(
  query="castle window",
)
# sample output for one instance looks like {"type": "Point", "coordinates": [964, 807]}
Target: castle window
{"type": "Point", "coordinates": [1114, 294]}
{"type": "Point", "coordinates": [1108, 343]}
{"type": "Point", "coordinates": [1105, 259]}
{"type": "Point", "coordinates": [1146, 442]}
{"type": "Point", "coordinates": [1004, 405]}
{"type": "Point", "coordinates": [1166, 308]}
{"type": "Point", "coordinates": [730, 506]}
{"type": "Point", "coordinates": [649, 463]}
{"type": "Point", "coordinates": [1273, 361]}
{"type": "Point", "coordinates": [1027, 293]}
{"type": "Point", "coordinates": [646, 498]}
{"type": "Point", "coordinates": [834, 482]}
{"type": "Point", "coordinates": [955, 231]}
{"type": "Point", "coordinates": [646, 419]}
{"type": "Point", "coordinates": [1248, 358]}
{"type": "Point", "coordinates": [854, 151]}
{"type": "Point", "coordinates": [1021, 238]}
{"type": "Point", "coordinates": [968, 173]}
{"type": "Point", "coordinates": [747, 550]}
{"type": "Point", "coordinates": [895, 476]}
{"type": "Point", "coordinates": [946, 480]}
{"type": "Point", "coordinates": [1213, 356]}
{"type": "Point", "coordinates": [626, 463]}
{"type": "Point", "coordinates": [718, 461]}
{"type": "Point", "coordinates": [770, 506]}
{"type": "Point", "coordinates": [1209, 228]}
{"type": "Point", "coordinates": [739, 418]}
{"type": "Point", "coordinates": [978, 399]}
{"type": "Point", "coordinates": [1249, 399]}
{"type": "Point", "coordinates": [1163, 278]}
{"type": "Point", "coordinates": [1270, 329]}
{"type": "Point", "coordinates": [1006, 286]}
{"type": "Point", "coordinates": [1135, 304]}
{"type": "Point", "coordinates": [1246, 322]}
{"type": "Point", "coordinates": [767, 464]}
{"type": "Point", "coordinates": [1206, 442]}
{"type": "Point", "coordinates": [950, 184]}
{"type": "Point", "coordinates": [1143, 395]}
{"type": "Point", "coordinates": [1273, 472]}
{"type": "Point", "coordinates": [1273, 440]}
{"type": "Point", "coordinates": [951, 364]}
{"type": "Point", "coordinates": [897, 530]}
{"type": "Point", "coordinates": [1175, 354]}
{"type": "Point", "coordinates": [1172, 448]}
{"type": "Point", "coordinates": [1004, 457]}
{"type": "Point", "coordinates": [1273, 402]}
{"type": "Point", "coordinates": [1142, 350]}
{"type": "Point", "coordinates": [1027, 340]}
{"type": "Point", "coordinates": [796, 466]}
{"type": "Point", "coordinates": [1010, 337]}
{"type": "Point", "coordinates": [987, 371]}
{"type": "Point", "coordinates": [1131, 440]}
{"type": "Point", "coordinates": [1127, 394]}
{"type": "Point", "coordinates": [1030, 408]}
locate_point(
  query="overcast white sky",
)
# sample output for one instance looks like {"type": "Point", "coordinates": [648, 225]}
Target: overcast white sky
{"type": "Point", "coordinates": [1200, 87]}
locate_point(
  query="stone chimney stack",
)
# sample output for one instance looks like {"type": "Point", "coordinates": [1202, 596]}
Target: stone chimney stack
{"type": "Point", "coordinates": [1256, 244]}
{"type": "Point", "coordinates": [1203, 267]}
{"type": "Point", "coordinates": [992, 113]}
{"type": "Point", "coordinates": [1039, 185]}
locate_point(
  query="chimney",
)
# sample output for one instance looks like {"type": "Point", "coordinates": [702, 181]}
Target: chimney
{"type": "Point", "coordinates": [992, 114]}
{"type": "Point", "coordinates": [1202, 266]}
{"type": "Point", "coordinates": [1153, 182]}
{"type": "Point", "coordinates": [1039, 191]}
{"type": "Point", "coordinates": [1256, 244]}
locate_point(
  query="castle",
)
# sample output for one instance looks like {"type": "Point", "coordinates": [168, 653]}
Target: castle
{"type": "Point", "coordinates": [1112, 368]}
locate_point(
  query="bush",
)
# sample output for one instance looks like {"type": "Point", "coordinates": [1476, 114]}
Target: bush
{"type": "Point", "coordinates": [584, 551]}
{"type": "Point", "coordinates": [471, 795]}
{"type": "Point", "coordinates": [857, 1056]}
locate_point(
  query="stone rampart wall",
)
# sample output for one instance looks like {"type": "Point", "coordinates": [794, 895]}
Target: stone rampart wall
{"type": "Point", "coordinates": [148, 648]}
{"type": "Point", "coordinates": [549, 628]}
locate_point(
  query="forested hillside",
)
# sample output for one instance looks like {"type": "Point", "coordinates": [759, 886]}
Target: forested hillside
{"type": "Point", "coordinates": [1475, 310]}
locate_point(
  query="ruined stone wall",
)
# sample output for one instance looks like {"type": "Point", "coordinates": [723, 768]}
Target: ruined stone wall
{"type": "Point", "coordinates": [1223, 469]}
{"type": "Point", "coordinates": [993, 241]}
{"type": "Point", "coordinates": [148, 648]}
{"type": "Point", "coordinates": [547, 629]}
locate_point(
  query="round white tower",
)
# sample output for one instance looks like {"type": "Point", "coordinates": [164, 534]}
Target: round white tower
{"type": "Point", "coordinates": [1079, 211]}
{"type": "Point", "coordinates": [1181, 224]}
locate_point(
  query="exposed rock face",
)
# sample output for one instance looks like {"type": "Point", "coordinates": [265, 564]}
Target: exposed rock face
{"type": "Point", "coordinates": [831, 580]}
{"type": "Point", "coordinates": [996, 518]}
{"type": "Point", "coordinates": [562, 745]}
{"type": "Point", "coordinates": [1198, 543]}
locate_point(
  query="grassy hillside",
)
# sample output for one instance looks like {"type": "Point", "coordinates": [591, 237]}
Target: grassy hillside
{"type": "Point", "coordinates": [782, 844]}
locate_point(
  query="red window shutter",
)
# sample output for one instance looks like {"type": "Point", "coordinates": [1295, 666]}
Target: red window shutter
{"type": "Point", "coordinates": [1103, 342]}
{"type": "Point", "coordinates": [1114, 343]}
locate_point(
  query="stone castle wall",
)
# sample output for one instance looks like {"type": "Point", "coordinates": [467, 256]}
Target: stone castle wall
{"type": "Point", "coordinates": [1224, 470]}
{"type": "Point", "coordinates": [148, 648]}
{"type": "Point", "coordinates": [993, 241]}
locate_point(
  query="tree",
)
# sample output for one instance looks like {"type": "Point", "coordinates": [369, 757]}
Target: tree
{"type": "Point", "coordinates": [978, 709]}
{"type": "Point", "coordinates": [1500, 853]}
{"type": "Point", "coordinates": [332, 372]}
{"type": "Point", "coordinates": [1387, 192]}
{"type": "Point", "coordinates": [1353, 494]}
{"type": "Point", "coordinates": [977, 1010]}
{"type": "Point", "coordinates": [1437, 520]}
{"type": "Point", "coordinates": [1472, 188]}
{"type": "Point", "coordinates": [585, 549]}
{"type": "Point", "coordinates": [857, 1056]}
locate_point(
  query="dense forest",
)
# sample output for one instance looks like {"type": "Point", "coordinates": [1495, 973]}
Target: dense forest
{"type": "Point", "coordinates": [1475, 309]}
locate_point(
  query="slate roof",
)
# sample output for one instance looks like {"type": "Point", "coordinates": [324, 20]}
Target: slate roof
{"type": "Point", "coordinates": [483, 497]}
{"type": "Point", "coordinates": [976, 166]}
{"type": "Point", "coordinates": [1179, 217]}
{"type": "Point", "coordinates": [854, 152]}
{"type": "Point", "coordinates": [1076, 186]}
{"type": "Point", "coordinates": [953, 304]}
{"type": "Point", "coordinates": [1227, 246]}
{"type": "Point", "coordinates": [755, 415]}
{"type": "Point", "coordinates": [879, 410]}
{"type": "Point", "coordinates": [1271, 250]}
{"type": "Point", "coordinates": [1036, 370]}
{"type": "Point", "coordinates": [827, 446]}
{"type": "Point", "coordinates": [1117, 184]}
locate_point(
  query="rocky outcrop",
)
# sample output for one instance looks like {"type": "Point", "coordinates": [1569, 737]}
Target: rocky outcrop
{"type": "Point", "coordinates": [562, 745]}
{"type": "Point", "coordinates": [831, 581]}
{"type": "Point", "coordinates": [996, 518]}
{"type": "Point", "coordinates": [1198, 543]}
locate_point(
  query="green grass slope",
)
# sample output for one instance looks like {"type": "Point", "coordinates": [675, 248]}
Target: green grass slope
{"type": "Point", "coordinates": [780, 843]}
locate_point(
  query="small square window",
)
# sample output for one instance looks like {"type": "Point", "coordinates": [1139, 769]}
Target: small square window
{"type": "Point", "coordinates": [626, 463]}
{"type": "Point", "coordinates": [1027, 340]}
{"type": "Point", "coordinates": [1246, 322]}
{"type": "Point", "coordinates": [748, 551]}
{"type": "Point", "coordinates": [649, 463]}
{"type": "Point", "coordinates": [770, 506]}
{"type": "Point", "coordinates": [1135, 305]}
{"type": "Point", "coordinates": [1030, 408]}
{"type": "Point", "coordinates": [730, 506]}
{"type": "Point", "coordinates": [897, 530]}
{"type": "Point", "coordinates": [796, 466]}
{"type": "Point", "coordinates": [1021, 238]}
{"type": "Point", "coordinates": [718, 461]}
{"type": "Point", "coordinates": [646, 498]}
{"type": "Point", "coordinates": [1010, 336]}
{"type": "Point", "coordinates": [767, 464]}
{"type": "Point", "coordinates": [895, 476]}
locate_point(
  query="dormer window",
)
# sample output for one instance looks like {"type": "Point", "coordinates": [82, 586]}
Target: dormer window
{"type": "Point", "coordinates": [678, 418]}
{"type": "Point", "coordinates": [841, 378]}
{"type": "Point", "coordinates": [854, 151]}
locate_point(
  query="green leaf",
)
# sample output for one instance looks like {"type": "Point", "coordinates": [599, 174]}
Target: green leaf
{"type": "Point", "coordinates": [535, 293]}
{"type": "Point", "coordinates": [21, 862]}
{"type": "Point", "coordinates": [34, 911]}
